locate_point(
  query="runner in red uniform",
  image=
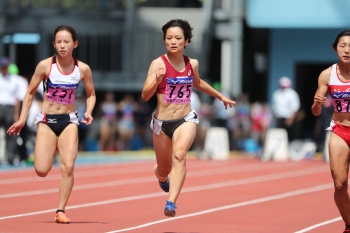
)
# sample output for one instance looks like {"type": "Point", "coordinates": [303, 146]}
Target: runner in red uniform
{"type": "Point", "coordinates": [172, 76]}
{"type": "Point", "coordinates": [336, 81]}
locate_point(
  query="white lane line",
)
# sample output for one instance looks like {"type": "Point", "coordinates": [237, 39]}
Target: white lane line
{"type": "Point", "coordinates": [123, 199]}
{"type": "Point", "coordinates": [319, 225]}
{"type": "Point", "coordinates": [184, 190]}
{"type": "Point", "coordinates": [244, 203]}
{"type": "Point", "coordinates": [126, 170]}
{"type": "Point", "coordinates": [203, 173]}
{"type": "Point", "coordinates": [101, 172]}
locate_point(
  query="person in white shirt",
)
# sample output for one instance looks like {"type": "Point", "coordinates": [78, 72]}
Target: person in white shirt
{"type": "Point", "coordinates": [10, 92]}
{"type": "Point", "coordinates": [285, 105]}
{"type": "Point", "coordinates": [23, 87]}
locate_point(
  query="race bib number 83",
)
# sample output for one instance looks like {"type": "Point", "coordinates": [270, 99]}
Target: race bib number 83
{"type": "Point", "coordinates": [341, 98]}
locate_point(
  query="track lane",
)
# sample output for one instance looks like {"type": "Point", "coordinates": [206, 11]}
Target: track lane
{"type": "Point", "coordinates": [206, 179]}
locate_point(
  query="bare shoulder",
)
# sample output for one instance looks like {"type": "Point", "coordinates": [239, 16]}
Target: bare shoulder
{"type": "Point", "coordinates": [44, 66]}
{"type": "Point", "coordinates": [45, 63]}
{"type": "Point", "coordinates": [325, 74]}
{"type": "Point", "coordinates": [194, 62]}
{"type": "Point", "coordinates": [327, 71]}
{"type": "Point", "coordinates": [158, 62]}
{"type": "Point", "coordinates": [84, 68]}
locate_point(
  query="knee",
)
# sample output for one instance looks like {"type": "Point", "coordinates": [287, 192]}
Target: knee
{"type": "Point", "coordinates": [67, 168]}
{"type": "Point", "coordinates": [340, 186]}
{"type": "Point", "coordinates": [180, 156]}
{"type": "Point", "coordinates": [42, 172]}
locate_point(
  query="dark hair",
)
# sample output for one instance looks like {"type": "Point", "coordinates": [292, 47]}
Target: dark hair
{"type": "Point", "coordinates": [341, 34]}
{"type": "Point", "coordinates": [67, 28]}
{"type": "Point", "coordinates": [183, 24]}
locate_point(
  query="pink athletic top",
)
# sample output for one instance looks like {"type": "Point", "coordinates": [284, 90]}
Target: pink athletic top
{"type": "Point", "coordinates": [176, 86]}
{"type": "Point", "coordinates": [339, 90]}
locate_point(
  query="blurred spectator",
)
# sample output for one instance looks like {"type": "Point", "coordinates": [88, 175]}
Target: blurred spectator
{"type": "Point", "coordinates": [323, 122]}
{"type": "Point", "coordinates": [196, 103]}
{"type": "Point", "coordinates": [35, 108]}
{"type": "Point", "coordinates": [80, 106]}
{"type": "Point", "coordinates": [220, 114]}
{"type": "Point", "coordinates": [108, 122]}
{"type": "Point", "coordinates": [240, 122]}
{"type": "Point", "coordinates": [23, 137]}
{"type": "Point", "coordinates": [261, 121]}
{"type": "Point", "coordinates": [10, 93]}
{"type": "Point", "coordinates": [126, 125]}
{"type": "Point", "coordinates": [143, 133]}
{"type": "Point", "coordinates": [285, 106]}
{"type": "Point", "coordinates": [204, 113]}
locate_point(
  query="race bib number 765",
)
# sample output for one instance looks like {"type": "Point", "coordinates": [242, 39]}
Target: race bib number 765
{"type": "Point", "coordinates": [178, 90]}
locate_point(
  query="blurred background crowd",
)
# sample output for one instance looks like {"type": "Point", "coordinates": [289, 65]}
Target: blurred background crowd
{"type": "Point", "coordinates": [121, 122]}
{"type": "Point", "coordinates": [244, 48]}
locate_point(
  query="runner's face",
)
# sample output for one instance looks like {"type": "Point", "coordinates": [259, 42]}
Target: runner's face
{"type": "Point", "coordinates": [343, 49]}
{"type": "Point", "coordinates": [175, 40]}
{"type": "Point", "coordinates": [64, 43]}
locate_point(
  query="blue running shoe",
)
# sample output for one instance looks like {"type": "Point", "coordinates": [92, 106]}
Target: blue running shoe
{"type": "Point", "coordinates": [164, 185]}
{"type": "Point", "coordinates": [169, 209]}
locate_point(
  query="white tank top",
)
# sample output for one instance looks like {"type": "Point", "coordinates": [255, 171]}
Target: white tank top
{"type": "Point", "coordinates": [339, 90]}
{"type": "Point", "coordinates": [59, 87]}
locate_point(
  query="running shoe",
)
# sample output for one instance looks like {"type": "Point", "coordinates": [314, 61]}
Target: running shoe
{"type": "Point", "coordinates": [164, 185]}
{"type": "Point", "coordinates": [346, 231]}
{"type": "Point", "coordinates": [169, 209]}
{"type": "Point", "coordinates": [61, 218]}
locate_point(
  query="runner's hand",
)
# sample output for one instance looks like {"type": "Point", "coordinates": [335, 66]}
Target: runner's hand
{"type": "Point", "coordinates": [160, 74]}
{"type": "Point", "coordinates": [15, 129]}
{"type": "Point", "coordinates": [227, 102]}
{"type": "Point", "coordinates": [319, 99]}
{"type": "Point", "coordinates": [88, 119]}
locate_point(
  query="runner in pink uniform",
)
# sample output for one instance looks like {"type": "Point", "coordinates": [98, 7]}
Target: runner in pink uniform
{"type": "Point", "coordinates": [58, 120]}
{"type": "Point", "coordinates": [336, 81]}
{"type": "Point", "coordinates": [173, 76]}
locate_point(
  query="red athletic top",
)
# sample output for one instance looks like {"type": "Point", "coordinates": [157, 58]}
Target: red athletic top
{"type": "Point", "coordinates": [170, 72]}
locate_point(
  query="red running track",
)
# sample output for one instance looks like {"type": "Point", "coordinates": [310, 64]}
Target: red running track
{"type": "Point", "coordinates": [239, 195]}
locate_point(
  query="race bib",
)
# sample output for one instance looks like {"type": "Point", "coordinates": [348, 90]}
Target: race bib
{"type": "Point", "coordinates": [341, 98]}
{"type": "Point", "coordinates": [62, 94]}
{"type": "Point", "coordinates": [178, 90]}
{"type": "Point", "coordinates": [341, 105]}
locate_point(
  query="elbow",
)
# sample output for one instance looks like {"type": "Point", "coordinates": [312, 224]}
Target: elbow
{"type": "Point", "coordinates": [144, 97]}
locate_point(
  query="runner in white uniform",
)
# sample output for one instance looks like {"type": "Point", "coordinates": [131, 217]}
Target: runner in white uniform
{"type": "Point", "coordinates": [60, 88]}
{"type": "Point", "coordinates": [58, 120]}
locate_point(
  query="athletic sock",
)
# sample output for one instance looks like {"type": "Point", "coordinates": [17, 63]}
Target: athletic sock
{"type": "Point", "coordinates": [347, 227]}
{"type": "Point", "coordinates": [57, 211]}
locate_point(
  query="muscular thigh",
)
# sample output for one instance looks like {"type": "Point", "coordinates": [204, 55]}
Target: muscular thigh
{"type": "Point", "coordinates": [338, 157]}
{"type": "Point", "coordinates": [163, 148]}
{"type": "Point", "coordinates": [68, 143]}
{"type": "Point", "coordinates": [45, 146]}
{"type": "Point", "coordinates": [184, 136]}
